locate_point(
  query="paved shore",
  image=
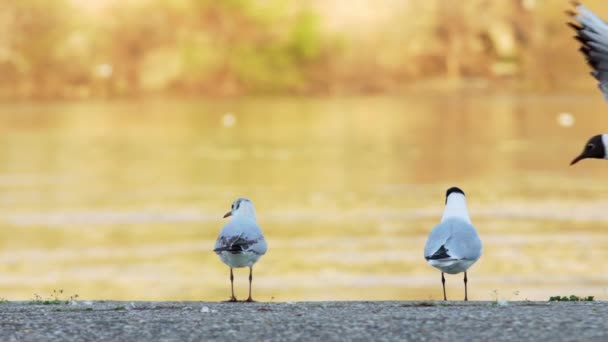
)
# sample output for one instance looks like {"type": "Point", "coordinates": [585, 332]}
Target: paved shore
{"type": "Point", "coordinates": [321, 321]}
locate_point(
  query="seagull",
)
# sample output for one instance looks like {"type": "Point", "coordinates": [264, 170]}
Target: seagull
{"type": "Point", "coordinates": [453, 245]}
{"type": "Point", "coordinates": [241, 242]}
{"type": "Point", "coordinates": [592, 33]}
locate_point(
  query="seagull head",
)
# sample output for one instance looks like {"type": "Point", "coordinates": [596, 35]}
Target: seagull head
{"type": "Point", "coordinates": [453, 192]}
{"type": "Point", "coordinates": [241, 207]}
{"type": "Point", "coordinates": [455, 205]}
{"type": "Point", "coordinates": [595, 148]}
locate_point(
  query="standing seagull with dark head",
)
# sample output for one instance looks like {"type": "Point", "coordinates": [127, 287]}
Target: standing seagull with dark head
{"type": "Point", "coordinates": [453, 245]}
{"type": "Point", "coordinates": [241, 242]}
{"type": "Point", "coordinates": [592, 33]}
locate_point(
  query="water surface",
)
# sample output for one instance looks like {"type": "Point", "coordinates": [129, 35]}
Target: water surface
{"type": "Point", "coordinates": [123, 200]}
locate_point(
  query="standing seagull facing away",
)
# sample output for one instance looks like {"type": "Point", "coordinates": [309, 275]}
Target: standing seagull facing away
{"type": "Point", "coordinates": [241, 242]}
{"type": "Point", "coordinates": [453, 245]}
{"type": "Point", "coordinates": [592, 33]}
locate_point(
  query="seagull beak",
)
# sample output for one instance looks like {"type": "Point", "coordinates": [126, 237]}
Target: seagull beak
{"type": "Point", "coordinates": [228, 214]}
{"type": "Point", "coordinates": [577, 159]}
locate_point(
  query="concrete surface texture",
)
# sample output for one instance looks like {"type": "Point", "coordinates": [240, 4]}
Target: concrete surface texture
{"type": "Point", "coordinates": [321, 321]}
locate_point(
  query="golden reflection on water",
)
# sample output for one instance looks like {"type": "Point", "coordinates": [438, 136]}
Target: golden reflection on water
{"type": "Point", "coordinates": [123, 200]}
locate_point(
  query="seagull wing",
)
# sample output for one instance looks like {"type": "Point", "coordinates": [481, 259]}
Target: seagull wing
{"type": "Point", "coordinates": [247, 238]}
{"type": "Point", "coordinates": [435, 248]}
{"type": "Point", "coordinates": [453, 239]}
{"type": "Point", "coordinates": [592, 33]}
{"type": "Point", "coordinates": [440, 254]}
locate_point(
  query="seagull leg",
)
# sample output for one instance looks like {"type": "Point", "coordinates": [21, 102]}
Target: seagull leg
{"type": "Point", "coordinates": [232, 298]}
{"type": "Point", "coordinates": [465, 287]}
{"type": "Point", "coordinates": [250, 279]}
{"type": "Point", "coordinates": [443, 282]}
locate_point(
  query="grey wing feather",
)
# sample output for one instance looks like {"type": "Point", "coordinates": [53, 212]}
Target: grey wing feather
{"type": "Point", "coordinates": [458, 238]}
{"type": "Point", "coordinates": [259, 246]}
{"type": "Point", "coordinates": [437, 238]}
{"type": "Point", "coordinates": [248, 238]}
{"type": "Point", "coordinates": [592, 33]}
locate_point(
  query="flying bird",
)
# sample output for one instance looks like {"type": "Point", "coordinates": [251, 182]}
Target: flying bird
{"type": "Point", "coordinates": [241, 242]}
{"type": "Point", "coordinates": [592, 33]}
{"type": "Point", "coordinates": [453, 245]}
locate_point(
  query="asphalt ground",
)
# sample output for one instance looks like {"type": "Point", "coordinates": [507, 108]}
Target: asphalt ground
{"type": "Point", "coordinates": [304, 321]}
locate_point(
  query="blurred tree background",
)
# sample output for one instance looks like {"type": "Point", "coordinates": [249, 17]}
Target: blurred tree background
{"type": "Point", "coordinates": [113, 48]}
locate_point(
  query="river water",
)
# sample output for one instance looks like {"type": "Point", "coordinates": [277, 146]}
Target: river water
{"type": "Point", "coordinates": [124, 199]}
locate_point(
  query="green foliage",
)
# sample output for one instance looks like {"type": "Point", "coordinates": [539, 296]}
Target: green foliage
{"type": "Point", "coordinates": [305, 38]}
{"type": "Point", "coordinates": [54, 299]}
{"type": "Point", "coordinates": [572, 298]}
{"type": "Point", "coordinates": [60, 49]}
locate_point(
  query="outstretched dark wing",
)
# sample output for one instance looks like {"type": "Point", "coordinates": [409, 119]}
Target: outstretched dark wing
{"type": "Point", "coordinates": [592, 33]}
